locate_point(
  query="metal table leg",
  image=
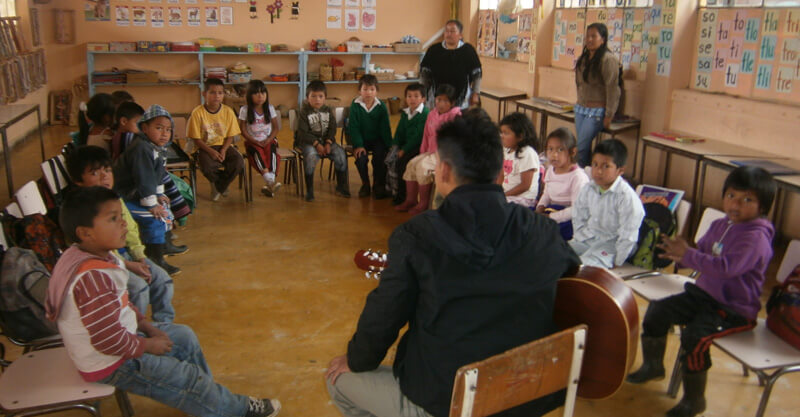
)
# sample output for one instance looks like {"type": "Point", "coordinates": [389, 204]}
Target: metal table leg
{"type": "Point", "coordinates": [7, 158]}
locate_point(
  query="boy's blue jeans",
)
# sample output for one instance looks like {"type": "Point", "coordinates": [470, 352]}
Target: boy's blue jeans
{"type": "Point", "coordinates": [179, 379]}
{"type": "Point", "coordinates": [586, 127]}
{"type": "Point", "coordinates": [158, 293]}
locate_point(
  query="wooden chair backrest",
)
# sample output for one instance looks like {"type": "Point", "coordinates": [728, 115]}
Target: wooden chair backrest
{"type": "Point", "coordinates": [521, 375]}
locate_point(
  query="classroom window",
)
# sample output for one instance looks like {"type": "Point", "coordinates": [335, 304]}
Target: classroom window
{"type": "Point", "coordinates": [8, 8]}
{"type": "Point", "coordinates": [487, 4]}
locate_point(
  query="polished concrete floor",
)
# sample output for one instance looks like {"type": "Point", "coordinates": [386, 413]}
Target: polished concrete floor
{"type": "Point", "coordinates": [271, 290]}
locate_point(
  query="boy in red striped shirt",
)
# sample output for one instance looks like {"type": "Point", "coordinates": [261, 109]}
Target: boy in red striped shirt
{"type": "Point", "coordinates": [108, 339]}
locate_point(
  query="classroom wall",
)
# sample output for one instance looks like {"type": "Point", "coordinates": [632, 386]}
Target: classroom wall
{"type": "Point", "coordinates": [421, 18]}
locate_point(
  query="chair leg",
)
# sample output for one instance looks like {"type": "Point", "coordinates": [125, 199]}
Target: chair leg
{"type": "Point", "coordinates": [250, 179]}
{"type": "Point", "coordinates": [675, 379]}
{"type": "Point", "coordinates": [124, 403]}
{"type": "Point", "coordinates": [770, 382]}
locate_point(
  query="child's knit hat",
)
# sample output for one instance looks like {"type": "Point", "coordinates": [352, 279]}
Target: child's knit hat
{"type": "Point", "coordinates": [155, 111]}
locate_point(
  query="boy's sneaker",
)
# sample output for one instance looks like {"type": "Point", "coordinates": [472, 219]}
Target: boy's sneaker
{"type": "Point", "coordinates": [276, 186]}
{"type": "Point", "coordinates": [267, 191]}
{"type": "Point", "coordinates": [263, 408]}
{"type": "Point", "coordinates": [215, 195]}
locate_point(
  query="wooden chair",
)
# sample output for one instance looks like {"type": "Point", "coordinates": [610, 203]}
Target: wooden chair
{"type": "Point", "coordinates": [46, 381]}
{"type": "Point", "coordinates": [288, 156]}
{"type": "Point", "coordinates": [521, 375]}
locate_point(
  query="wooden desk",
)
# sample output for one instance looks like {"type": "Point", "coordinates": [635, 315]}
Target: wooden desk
{"type": "Point", "coordinates": [698, 152]}
{"type": "Point", "coordinates": [502, 95]}
{"type": "Point", "coordinates": [9, 115]}
{"type": "Point", "coordinates": [785, 183]}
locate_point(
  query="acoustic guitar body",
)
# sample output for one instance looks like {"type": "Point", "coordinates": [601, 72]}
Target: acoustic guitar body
{"type": "Point", "coordinates": [601, 300]}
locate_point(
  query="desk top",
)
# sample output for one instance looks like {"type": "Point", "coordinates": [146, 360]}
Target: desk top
{"type": "Point", "coordinates": [531, 104]}
{"type": "Point", "coordinates": [791, 180]}
{"type": "Point", "coordinates": [502, 93]}
{"type": "Point", "coordinates": [709, 148]}
{"type": "Point", "coordinates": [617, 127]}
{"type": "Point", "coordinates": [11, 113]}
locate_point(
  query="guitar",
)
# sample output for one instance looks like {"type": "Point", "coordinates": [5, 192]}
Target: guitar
{"type": "Point", "coordinates": [593, 296]}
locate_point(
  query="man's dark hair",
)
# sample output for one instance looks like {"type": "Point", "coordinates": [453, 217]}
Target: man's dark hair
{"type": "Point", "coordinates": [446, 90]}
{"type": "Point", "coordinates": [316, 86]}
{"type": "Point", "coordinates": [471, 145]}
{"type": "Point", "coordinates": [458, 24]}
{"type": "Point", "coordinates": [128, 110]}
{"type": "Point", "coordinates": [415, 87]}
{"type": "Point", "coordinates": [210, 82]}
{"type": "Point", "coordinates": [83, 157]}
{"type": "Point", "coordinates": [368, 79]}
{"type": "Point", "coordinates": [80, 207]}
{"type": "Point", "coordinates": [613, 148]}
{"type": "Point", "coordinates": [755, 179]}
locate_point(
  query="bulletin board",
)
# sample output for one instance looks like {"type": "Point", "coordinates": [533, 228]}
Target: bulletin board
{"type": "Point", "coordinates": [748, 52]}
{"type": "Point", "coordinates": [632, 34]}
{"type": "Point", "coordinates": [506, 37]}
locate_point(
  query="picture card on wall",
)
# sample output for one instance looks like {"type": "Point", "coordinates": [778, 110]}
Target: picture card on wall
{"type": "Point", "coordinates": [155, 1]}
{"type": "Point", "coordinates": [226, 15]}
{"type": "Point", "coordinates": [334, 3]}
{"type": "Point", "coordinates": [97, 11]}
{"type": "Point", "coordinates": [193, 16]}
{"type": "Point", "coordinates": [175, 16]}
{"type": "Point", "coordinates": [157, 17]}
{"type": "Point", "coordinates": [352, 3]}
{"type": "Point", "coordinates": [333, 19]}
{"type": "Point", "coordinates": [173, 1]}
{"type": "Point", "coordinates": [139, 15]}
{"type": "Point", "coordinates": [212, 16]}
{"type": "Point", "coordinates": [351, 18]}
{"type": "Point", "coordinates": [122, 14]}
{"type": "Point", "coordinates": [190, 1]}
{"type": "Point", "coordinates": [369, 3]}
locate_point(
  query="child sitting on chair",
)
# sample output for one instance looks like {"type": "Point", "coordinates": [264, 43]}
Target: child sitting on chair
{"type": "Point", "coordinates": [126, 121]}
{"type": "Point", "coordinates": [607, 213]}
{"type": "Point", "coordinates": [258, 122]}
{"type": "Point", "coordinates": [148, 284]}
{"type": "Point", "coordinates": [520, 175]}
{"type": "Point", "coordinates": [407, 140]}
{"type": "Point", "coordinates": [732, 259]}
{"type": "Point", "coordinates": [370, 131]}
{"type": "Point", "coordinates": [140, 173]}
{"type": "Point", "coordinates": [212, 127]}
{"type": "Point", "coordinates": [563, 180]}
{"type": "Point", "coordinates": [108, 339]}
{"type": "Point", "coordinates": [316, 139]}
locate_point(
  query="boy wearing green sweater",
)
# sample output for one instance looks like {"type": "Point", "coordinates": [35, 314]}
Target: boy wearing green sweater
{"type": "Point", "coordinates": [369, 130]}
{"type": "Point", "coordinates": [407, 140]}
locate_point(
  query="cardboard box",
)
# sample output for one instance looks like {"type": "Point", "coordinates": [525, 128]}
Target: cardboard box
{"type": "Point", "coordinates": [122, 47]}
{"type": "Point", "coordinates": [152, 46]}
{"type": "Point", "coordinates": [142, 77]}
{"type": "Point", "coordinates": [407, 47]}
{"type": "Point", "coordinates": [97, 47]}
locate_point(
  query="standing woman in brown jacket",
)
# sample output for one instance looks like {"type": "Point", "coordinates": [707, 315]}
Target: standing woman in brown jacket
{"type": "Point", "coordinates": [597, 81]}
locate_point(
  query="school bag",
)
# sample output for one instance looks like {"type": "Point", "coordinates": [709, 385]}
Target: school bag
{"type": "Point", "coordinates": [658, 220]}
{"type": "Point", "coordinates": [23, 289]}
{"type": "Point", "coordinates": [783, 309]}
{"type": "Point", "coordinates": [37, 233]}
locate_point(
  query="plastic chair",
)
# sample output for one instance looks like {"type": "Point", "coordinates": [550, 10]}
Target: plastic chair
{"type": "Point", "coordinates": [46, 381]}
{"type": "Point", "coordinates": [502, 382]}
{"type": "Point", "coordinates": [30, 200]}
{"type": "Point", "coordinates": [55, 174]}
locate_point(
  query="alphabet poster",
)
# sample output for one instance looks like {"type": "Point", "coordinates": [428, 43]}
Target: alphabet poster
{"type": "Point", "coordinates": [157, 17]}
{"type": "Point", "coordinates": [193, 16]}
{"type": "Point", "coordinates": [122, 15]}
{"type": "Point", "coordinates": [175, 16]}
{"type": "Point", "coordinates": [748, 52]}
{"type": "Point", "coordinates": [139, 15]}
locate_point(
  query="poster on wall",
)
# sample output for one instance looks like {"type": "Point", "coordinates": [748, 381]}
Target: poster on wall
{"type": "Point", "coordinates": [333, 18]}
{"type": "Point", "coordinates": [97, 11]}
{"type": "Point", "coordinates": [335, 3]}
{"type": "Point", "coordinates": [139, 15]}
{"type": "Point", "coordinates": [122, 15]}
{"type": "Point", "coordinates": [193, 16]}
{"type": "Point", "coordinates": [209, 1]}
{"type": "Point", "coordinates": [175, 16]}
{"type": "Point", "coordinates": [190, 1]}
{"type": "Point", "coordinates": [369, 3]}
{"type": "Point", "coordinates": [157, 17]}
{"type": "Point", "coordinates": [369, 19]}
{"type": "Point", "coordinates": [155, 1]}
{"type": "Point", "coordinates": [351, 19]}
{"type": "Point", "coordinates": [487, 32]}
{"type": "Point", "coordinates": [212, 16]}
{"type": "Point", "coordinates": [226, 15]}
{"type": "Point", "coordinates": [173, 1]}
{"type": "Point", "coordinates": [351, 3]}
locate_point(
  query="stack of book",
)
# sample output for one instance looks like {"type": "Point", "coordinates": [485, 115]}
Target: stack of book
{"type": "Point", "coordinates": [552, 102]}
{"type": "Point", "coordinates": [216, 72]}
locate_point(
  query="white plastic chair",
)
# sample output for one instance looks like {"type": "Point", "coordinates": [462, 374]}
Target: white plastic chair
{"type": "Point", "coordinates": [55, 174]}
{"type": "Point", "coordinates": [46, 381]}
{"type": "Point", "coordinates": [29, 199]}
{"type": "Point", "coordinates": [14, 210]}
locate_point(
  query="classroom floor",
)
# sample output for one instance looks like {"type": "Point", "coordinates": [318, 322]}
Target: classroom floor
{"type": "Point", "coordinates": [272, 292]}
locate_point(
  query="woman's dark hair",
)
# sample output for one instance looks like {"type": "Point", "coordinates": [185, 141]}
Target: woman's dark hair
{"type": "Point", "coordinates": [594, 63]}
{"type": "Point", "coordinates": [97, 108]}
{"type": "Point", "coordinates": [755, 179]}
{"type": "Point", "coordinates": [523, 128]}
{"type": "Point", "coordinates": [255, 87]}
{"type": "Point", "coordinates": [567, 140]}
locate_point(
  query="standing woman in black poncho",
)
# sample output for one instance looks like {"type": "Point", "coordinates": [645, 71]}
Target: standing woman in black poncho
{"type": "Point", "coordinates": [453, 62]}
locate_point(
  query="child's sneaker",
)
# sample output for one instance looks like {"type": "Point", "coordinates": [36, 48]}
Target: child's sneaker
{"type": "Point", "coordinates": [276, 186]}
{"type": "Point", "coordinates": [267, 191]}
{"type": "Point", "coordinates": [215, 195]}
{"type": "Point", "coordinates": [263, 408]}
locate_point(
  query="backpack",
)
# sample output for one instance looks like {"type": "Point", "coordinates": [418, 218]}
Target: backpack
{"type": "Point", "coordinates": [38, 233]}
{"type": "Point", "coordinates": [658, 220]}
{"type": "Point", "coordinates": [783, 309]}
{"type": "Point", "coordinates": [23, 289]}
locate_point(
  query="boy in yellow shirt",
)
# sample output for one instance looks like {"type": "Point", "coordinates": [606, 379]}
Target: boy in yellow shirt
{"type": "Point", "coordinates": [212, 127]}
